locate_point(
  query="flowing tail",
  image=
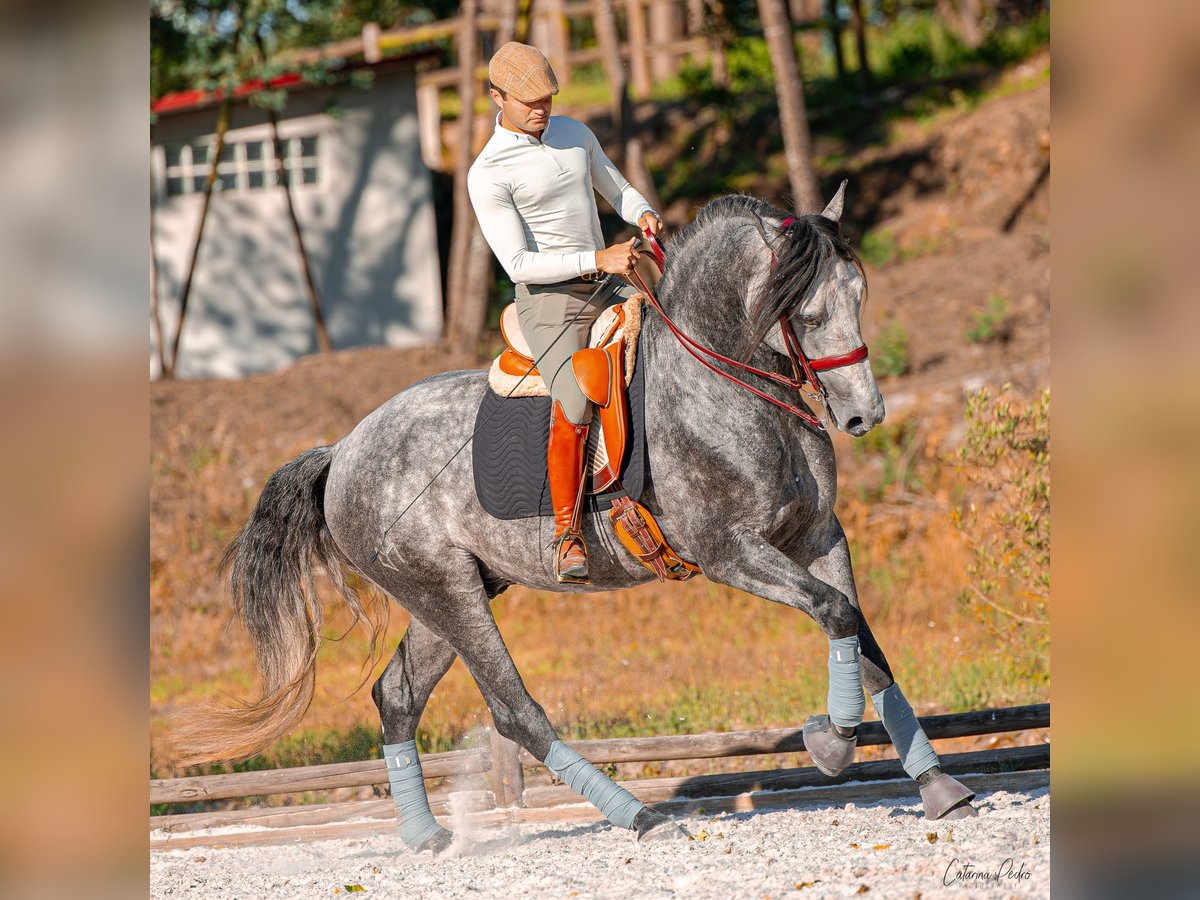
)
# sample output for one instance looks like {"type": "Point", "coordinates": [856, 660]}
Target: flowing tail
{"type": "Point", "coordinates": [271, 567]}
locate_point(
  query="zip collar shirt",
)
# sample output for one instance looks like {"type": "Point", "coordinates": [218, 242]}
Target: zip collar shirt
{"type": "Point", "coordinates": [535, 201]}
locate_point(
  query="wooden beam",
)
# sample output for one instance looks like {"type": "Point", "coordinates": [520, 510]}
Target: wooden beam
{"type": "Point", "coordinates": [307, 778]}
{"type": "Point", "coordinates": [901, 789]}
{"type": "Point", "coordinates": [657, 790]}
{"type": "Point", "coordinates": [440, 802]}
{"type": "Point", "coordinates": [791, 740]}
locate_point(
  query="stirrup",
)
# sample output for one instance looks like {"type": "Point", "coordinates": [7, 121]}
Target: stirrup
{"type": "Point", "coordinates": [572, 575]}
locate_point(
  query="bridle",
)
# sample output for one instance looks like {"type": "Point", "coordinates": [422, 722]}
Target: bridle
{"type": "Point", "coordinates": [804, 370]}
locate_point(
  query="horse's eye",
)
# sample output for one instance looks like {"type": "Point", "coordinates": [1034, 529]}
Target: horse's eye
{"type": "Point", "coordinates": [810, 321]}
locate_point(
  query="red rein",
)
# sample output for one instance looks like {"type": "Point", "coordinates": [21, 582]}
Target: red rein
{"type": "Point", "coordinates": [803, 369]}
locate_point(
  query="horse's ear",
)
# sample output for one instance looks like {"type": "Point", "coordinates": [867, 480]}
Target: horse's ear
{"type": "Point", "coordinates": [834, 209]}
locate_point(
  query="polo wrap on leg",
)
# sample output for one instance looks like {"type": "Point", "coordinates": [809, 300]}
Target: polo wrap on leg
{"type": "Point", "coordinates": [846, 702]}
{"type": "Point", "coordinates": [417, 824]}
{"type": "Point", "coordinates": [620, 806]}
{"type": "Point", "coordinates": [916, 754]}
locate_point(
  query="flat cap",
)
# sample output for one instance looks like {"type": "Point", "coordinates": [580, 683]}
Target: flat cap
{"type": "Point", "coordinates": [522, 71]}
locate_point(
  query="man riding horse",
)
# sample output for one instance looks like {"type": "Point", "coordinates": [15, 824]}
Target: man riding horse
{"type": "Point", "coordinates": [532, 190]}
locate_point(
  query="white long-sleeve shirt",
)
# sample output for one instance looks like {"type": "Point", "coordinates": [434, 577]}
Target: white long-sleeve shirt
{"type": "Point", "coordinates": [535, 203]}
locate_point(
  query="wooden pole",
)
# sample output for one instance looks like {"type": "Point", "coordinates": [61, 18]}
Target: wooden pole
{"type": "Point", "coordinates": [666, 27]}
{"type": "Point", "coordinates": [793, 115]}
{"type": "Point", "coordinates": [859, 25]}
{"type": "Point", "coordinates": [186, 291]}
{"type": "Point", "coordinates": [638, 63]}
{"type": "Point", "coordinates": [464, 326]}
{"type": "Point", "coordinates": [508, 775]}
{"type": "Point", "coordinates": [155, 317]}
{"type": "Point", "coordinates": [719, 41]}
{"type": "Point", "coordinates": [835, 35]}
{"type": "Point", "coordinates": [285, 181]}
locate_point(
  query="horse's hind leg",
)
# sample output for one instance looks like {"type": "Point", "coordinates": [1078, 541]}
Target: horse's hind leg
{"type": "Point", "coordinates": [401, 694]}
{"type": "Point", "coordinates": [943, 796]}
{"type": "Point", "coordinates": [467, 624]}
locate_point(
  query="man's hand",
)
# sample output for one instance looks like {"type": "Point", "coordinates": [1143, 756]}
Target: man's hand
{"type": "Point", "coordinates": [652, 222]}
{"type": "Point", "coordinates": [619, 258]}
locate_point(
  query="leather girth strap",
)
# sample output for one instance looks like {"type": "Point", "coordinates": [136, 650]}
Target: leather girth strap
{"type": "Point", "coordinates": [637, 530]}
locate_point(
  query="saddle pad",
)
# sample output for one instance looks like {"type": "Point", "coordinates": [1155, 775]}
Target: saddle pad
{"type": "Point", "coordinates": [509, 454]}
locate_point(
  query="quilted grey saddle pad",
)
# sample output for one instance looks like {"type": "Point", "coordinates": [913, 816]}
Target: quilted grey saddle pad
{"type": "Point", "coordinates": [509, 454]}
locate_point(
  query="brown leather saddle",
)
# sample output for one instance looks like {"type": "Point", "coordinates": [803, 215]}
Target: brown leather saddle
{"type": "Point", "coordinates": [603, 371]}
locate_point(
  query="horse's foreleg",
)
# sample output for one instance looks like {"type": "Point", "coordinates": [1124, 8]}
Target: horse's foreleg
{"type": "Point", "coordinates": [401, 694]}
{"type": "Point", "coordinates": [754, 565]}
{"type": "Point", "coordinates": [473, 633]}
{"type": "Point", "coordinates": [943, 796]}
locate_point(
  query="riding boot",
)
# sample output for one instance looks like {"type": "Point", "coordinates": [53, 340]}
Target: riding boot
{"type": "Point", "coordinates": [566, 451]}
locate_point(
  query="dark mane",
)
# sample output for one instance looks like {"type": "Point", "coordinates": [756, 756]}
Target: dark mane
{"type": "Point", "coordinates": [809, 247]}
{"type": "Point", "coordinates": [804, 253]}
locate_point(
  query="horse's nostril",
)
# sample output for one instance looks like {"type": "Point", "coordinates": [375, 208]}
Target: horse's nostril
{"type": "Point", "coordinates": [855, 425]}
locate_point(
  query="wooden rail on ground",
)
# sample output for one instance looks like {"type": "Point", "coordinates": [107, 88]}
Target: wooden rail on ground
{"type": "Point", "coordinates": [507, 800]}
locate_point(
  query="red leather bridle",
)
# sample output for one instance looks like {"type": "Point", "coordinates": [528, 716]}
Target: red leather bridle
{"type": "Point", "coordinates": [804, 370]}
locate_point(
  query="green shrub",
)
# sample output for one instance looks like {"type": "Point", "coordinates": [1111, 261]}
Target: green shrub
{"type": "Point", "coordinates": [889, 351]}
{"type": "Point", "coordinates": [992, 323]}
{"type": "Point", "coordinates": [879, 248]}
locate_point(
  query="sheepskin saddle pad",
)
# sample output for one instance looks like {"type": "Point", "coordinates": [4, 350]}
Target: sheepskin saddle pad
{"type": "Point", "coordinates": [509, 452]}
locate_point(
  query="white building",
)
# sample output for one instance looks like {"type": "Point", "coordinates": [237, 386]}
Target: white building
{"type": "Point", "coordinates": [363, 196]}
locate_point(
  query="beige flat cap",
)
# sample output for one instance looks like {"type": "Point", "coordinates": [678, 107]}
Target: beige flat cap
{"type": "Point", "coordinates": [522, 71]}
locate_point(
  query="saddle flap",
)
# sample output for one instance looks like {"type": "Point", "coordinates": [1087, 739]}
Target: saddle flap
{"type": "Point", "coordinates": [593, 372]}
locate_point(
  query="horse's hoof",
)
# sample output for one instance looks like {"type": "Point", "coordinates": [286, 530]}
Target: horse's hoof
{"type": "Point", "coordinates": [437, 843]}
{"type": "Point", "coordinates": [830, 752]}
{"type": "Point", "coordinates": [653, 826]}
{"type": "Point", "coordinates": [946, 799]}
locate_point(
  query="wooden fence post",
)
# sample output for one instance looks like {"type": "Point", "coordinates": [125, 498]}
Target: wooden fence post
{"type": "Point", "coordinates": [508, 777]}
{"type": "Point", "coordinates": [639, 64]}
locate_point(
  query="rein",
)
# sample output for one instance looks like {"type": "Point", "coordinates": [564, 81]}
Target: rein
{"type": "Point", "coordinates": [804, 370]}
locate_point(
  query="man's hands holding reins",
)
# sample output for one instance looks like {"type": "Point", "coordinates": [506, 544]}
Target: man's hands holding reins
{"type": "Point", "coordinates": [621, 258]}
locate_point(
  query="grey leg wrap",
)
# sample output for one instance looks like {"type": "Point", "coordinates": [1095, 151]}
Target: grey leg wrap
{"type": "Point", "coordinates": [846, 701]}
{"type": "Point", "coordinates": [408, 791]}
{"type": "Point", "coordinates": [620, 806]}
{"type": "Point", "coordinates": [916, 754]}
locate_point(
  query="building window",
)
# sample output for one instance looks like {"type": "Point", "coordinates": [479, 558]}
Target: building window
{"type": "Point", "coordinates": [243, 166]}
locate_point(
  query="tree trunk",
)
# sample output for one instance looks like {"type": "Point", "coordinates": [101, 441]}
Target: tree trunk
{"type": "Point", "coordinates": [970, 17]}
{"type": "Point", "coordinates": [481, 267]}
{"type": "Point", "coordinates": [550, 34]}
{"type": "Point", "coordinates": [635, 22]}
{"type": "Point", "coordinates": [835, 35]}
{"type": "Point", "coordinates": [508, 11]}
{"type": "Point", "coordinates": [283, 178]}
{"type": "Point", "coordinates": [609, 39]}
{"type": "Point", "coordinates": [666, 27]}
{"type": "Point", "coordinates": [859, 24]}
{"type": "Point", "coordinates": [155, 318]}
{"type": "Point", "coordinates": [793, 116]}
{"type": "Point", "coordinates": [719, 43]}
{"type": "Point", "coordinates": [963, 18]}
{"type": "Point", "coordinates": [631, 158]}
{"type": "Point", "coordinates": [464, 313]}
{"type": "Point", "coordinates": [186, 291]}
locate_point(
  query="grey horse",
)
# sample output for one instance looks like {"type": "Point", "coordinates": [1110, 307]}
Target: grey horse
{"type": "Point", "coordinates": [740, 486]}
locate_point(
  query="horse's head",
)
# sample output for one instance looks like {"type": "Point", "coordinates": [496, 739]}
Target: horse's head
{"type": "Point", "coordinates": [815, 280]}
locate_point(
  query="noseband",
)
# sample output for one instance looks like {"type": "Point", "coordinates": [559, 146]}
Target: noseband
{"type": "Point", "coordinates": [804, 370]}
